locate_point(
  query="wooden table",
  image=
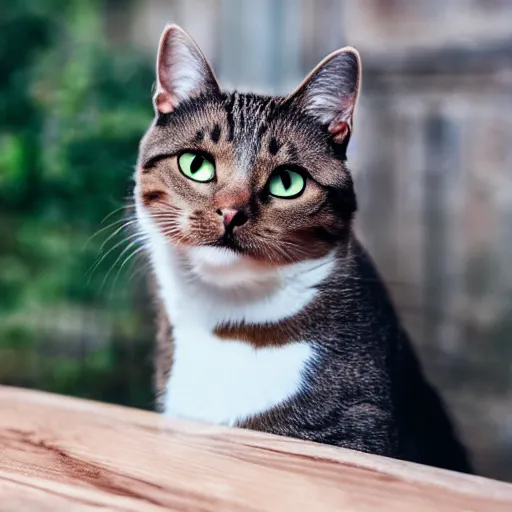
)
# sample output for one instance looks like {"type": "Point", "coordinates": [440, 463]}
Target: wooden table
{"type": "Point", "coordinates": [59, 453]}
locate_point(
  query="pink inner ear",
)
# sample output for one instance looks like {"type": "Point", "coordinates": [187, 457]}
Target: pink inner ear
{"type": "Point", "coordinates": [339, 130]}
{"type": "Point", "coordinates": [163, 102]}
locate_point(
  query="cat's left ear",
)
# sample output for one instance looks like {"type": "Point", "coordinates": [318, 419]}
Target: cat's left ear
{"type": "Point", "coordinates": [330, 91]}
{"type": "Point", "coordinates": [182, 70]}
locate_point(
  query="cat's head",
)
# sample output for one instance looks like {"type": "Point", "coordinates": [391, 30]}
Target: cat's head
{"type": "Point", "coordinates": [263, 178]}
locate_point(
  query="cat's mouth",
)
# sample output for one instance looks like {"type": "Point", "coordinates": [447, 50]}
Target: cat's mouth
{"type": "Point", "coordinates": [228, 241]}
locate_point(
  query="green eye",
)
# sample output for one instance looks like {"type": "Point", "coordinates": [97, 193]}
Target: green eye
{"type": "Point", "coordinates": [286, 183]}
{"type": "Point", "coordinates": [196, 167]}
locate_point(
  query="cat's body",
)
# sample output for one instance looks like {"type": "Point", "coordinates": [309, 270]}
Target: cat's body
{"type": "Point", "coordinates": [272, 315]}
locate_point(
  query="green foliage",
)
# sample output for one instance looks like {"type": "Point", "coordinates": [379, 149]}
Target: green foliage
{"type": "Point", "coordinates": [72, 111]}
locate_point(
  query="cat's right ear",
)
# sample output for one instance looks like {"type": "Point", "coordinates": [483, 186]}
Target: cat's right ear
{"type": "Point", "coordinates": [330, 92]}
{"type": "Point", "coordinates": [182, 70]}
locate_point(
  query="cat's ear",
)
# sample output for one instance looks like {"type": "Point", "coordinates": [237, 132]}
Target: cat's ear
{"type": "Point", "coordinates": [330, 91]}
{"type": "Point", "coordinates": [182, 70]}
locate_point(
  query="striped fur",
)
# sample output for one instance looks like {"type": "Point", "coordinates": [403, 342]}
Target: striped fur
{"type": "Point", "coordinates": [278, 322]}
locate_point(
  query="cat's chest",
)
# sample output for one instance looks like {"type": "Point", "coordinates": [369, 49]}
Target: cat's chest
{"type": "Point", "coordinates": [224, 381]}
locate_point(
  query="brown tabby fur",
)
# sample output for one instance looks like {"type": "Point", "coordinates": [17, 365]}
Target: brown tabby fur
{"type": "Point", "coordinates": [365, 389]}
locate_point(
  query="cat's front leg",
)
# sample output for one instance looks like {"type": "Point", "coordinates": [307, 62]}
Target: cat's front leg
{"type": "Point", "coordinates": [163, 357]}
{"type": "Point", "coordinates": [368, 428]}
{"type": "Point", "coordinates": [363, 426]}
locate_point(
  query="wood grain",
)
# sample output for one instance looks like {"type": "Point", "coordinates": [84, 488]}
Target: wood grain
{"type": "Point", "coordinates": [59, 453]}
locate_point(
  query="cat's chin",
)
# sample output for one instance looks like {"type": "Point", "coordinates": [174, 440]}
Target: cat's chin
{"type": "Point", "coordinates": [214, 256]}
{"type": "Point", "coordinates": [226, 268]}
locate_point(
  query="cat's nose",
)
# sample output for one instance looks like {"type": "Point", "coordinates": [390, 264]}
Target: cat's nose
{"type": "Point", "coordinates": [233, 217]}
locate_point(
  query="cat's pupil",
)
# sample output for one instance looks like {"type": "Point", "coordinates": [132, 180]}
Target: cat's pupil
{"type": "Point", "coordinates": [196, 163]}
{"type": "Point", "coordinates": [286, 179]}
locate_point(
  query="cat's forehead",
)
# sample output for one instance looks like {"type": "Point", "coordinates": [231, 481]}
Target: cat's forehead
{"type": "Point", "coordinates": [241, 117]}
{"type": "Point", "coordinates": [248, 115]}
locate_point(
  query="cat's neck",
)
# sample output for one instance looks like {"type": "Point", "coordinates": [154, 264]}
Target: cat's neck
{"type": "Point", "coordinates": [205, 287]}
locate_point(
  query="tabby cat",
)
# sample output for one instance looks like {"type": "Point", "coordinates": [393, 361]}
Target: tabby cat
{"type": "Point", "coordinates": [273, 316]}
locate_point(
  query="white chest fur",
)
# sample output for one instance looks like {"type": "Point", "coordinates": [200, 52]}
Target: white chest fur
{"type": "Point", "coordinates": [219, 381]}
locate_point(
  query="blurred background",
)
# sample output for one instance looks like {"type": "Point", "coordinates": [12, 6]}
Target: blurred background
{"type": "Point", "coordinates": [431, 156]}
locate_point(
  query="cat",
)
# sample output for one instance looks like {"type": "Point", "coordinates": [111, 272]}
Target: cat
{"type": "Point", "coordinates": [272, 315]}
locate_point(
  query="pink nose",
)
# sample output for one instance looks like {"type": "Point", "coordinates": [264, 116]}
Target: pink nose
{"type": "Point", "coordinates": [228, 214]}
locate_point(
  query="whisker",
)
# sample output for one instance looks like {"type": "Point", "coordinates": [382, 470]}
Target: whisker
{"type": "Point", "coordinates": [124, 207]}
{"type": "Point", "coordinates": [128, 223]}
{"type": "Point", "coordinates": [98, 261]}
{"type": "Point", "coordinates": [101, 231]}
{"type": "Point", "coordinates": [142, 269]}
{"type": "Point", "coordinates": [126, 260]}
{"type": "Point", "coordinates": [124, 251]}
